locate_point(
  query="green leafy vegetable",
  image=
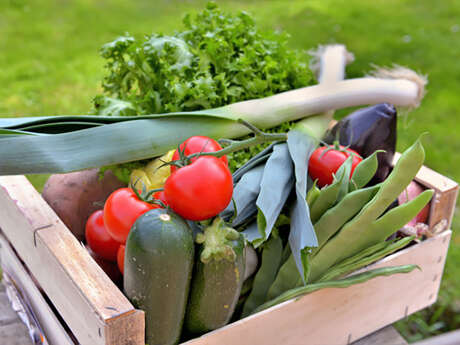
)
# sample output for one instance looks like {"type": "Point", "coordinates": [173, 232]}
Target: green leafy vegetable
{"type": "Point", "coordinates": [217, 59]}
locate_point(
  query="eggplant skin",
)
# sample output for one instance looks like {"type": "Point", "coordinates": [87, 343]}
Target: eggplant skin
{"type": "Point", "coordinates": [367, 130]}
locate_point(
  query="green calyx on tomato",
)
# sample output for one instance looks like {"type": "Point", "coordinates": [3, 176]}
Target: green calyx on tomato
{"type": "Point", "coordinates": [121, 210]}
{"type": "Point", "coordinates": [193, 145]}
{"type": "Point", "coordinates": [325, 161]}
{"type": "Point", "coordinates": [200, 190]}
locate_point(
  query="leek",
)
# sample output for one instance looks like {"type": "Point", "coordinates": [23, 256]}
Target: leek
{"type": "Point", "coordinates": [114, 140]}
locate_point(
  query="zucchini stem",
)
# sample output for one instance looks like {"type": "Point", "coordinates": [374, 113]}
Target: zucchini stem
{"type": "Point", "coordinates": [216, 240]}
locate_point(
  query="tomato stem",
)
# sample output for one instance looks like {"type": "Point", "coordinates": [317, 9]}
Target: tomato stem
{"type": "Point", "coordinates": [259, 137]}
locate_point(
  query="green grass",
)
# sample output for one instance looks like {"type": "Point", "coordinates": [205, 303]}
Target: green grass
{"type": "Point", "coordinates": [49, 64]}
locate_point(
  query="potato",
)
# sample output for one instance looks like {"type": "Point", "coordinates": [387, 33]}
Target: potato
{"type": "Point", "coordinates": [74, 196]}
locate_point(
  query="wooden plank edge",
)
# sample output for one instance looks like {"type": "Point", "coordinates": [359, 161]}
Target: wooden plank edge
{"type": "Point", "coordinates": [130, 328]}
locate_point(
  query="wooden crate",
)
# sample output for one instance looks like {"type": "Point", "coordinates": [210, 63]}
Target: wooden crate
{"type": "Point", "coordinates": [87, 303]}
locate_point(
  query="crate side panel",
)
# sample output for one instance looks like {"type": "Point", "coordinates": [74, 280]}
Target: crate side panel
{"type": "Point", "coordinates": [340, 316]}
{"type": "Point", "coordinates": [52, 327]}
{"type": "Point", "coordinates": [81, 292]}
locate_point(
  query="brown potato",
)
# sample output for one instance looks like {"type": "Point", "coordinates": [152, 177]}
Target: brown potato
{"type": "Point", "coordinates": [74, 196]}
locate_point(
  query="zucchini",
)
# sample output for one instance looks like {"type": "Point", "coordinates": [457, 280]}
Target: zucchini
{"type": "Point", "coordinates": [158, 267]}
{"type": "Point", "coordinates": [217, 278]}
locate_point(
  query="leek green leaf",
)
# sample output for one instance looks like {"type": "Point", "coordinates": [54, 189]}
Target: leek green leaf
{"type": "Point", "coordinates": [302, 235]}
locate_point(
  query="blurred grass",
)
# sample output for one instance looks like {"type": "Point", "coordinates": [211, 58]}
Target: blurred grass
{"type": "Point", "coordinates": [49, 64]}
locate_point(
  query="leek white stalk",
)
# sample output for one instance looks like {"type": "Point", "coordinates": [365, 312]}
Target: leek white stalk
{"type": "Point", "coordinates": [296, 104]}
{"type": "Point", "coordinates": [329, 62]}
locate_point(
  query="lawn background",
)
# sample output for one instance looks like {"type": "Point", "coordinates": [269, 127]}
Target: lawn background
{"type": "Point", "coordinates": [49, 64]}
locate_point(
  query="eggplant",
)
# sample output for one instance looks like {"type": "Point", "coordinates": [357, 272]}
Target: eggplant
{"type": "Point", "coordinates": [367, 130]}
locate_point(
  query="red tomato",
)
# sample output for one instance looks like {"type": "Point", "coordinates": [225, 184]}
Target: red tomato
{"type": "Point", "coordinates": [322, 167]}
{"type": "Point", "coordinates": [200, 190]}
{"type": "Point", "coordinates": [121, 258]}
{"type": "Point", "coordinates": [198, 144]}
{"type": "Point", "coordinates": [99, 239]}
{"type": "Point", "coordinates": [121, 210]}
{"type": "Point", "coordinates": [160, 196]}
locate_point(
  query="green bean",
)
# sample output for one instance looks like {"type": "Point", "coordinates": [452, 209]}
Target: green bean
{"type": "Point", "coordinates": [362, 254]}
{"type": "Point", "coordinates": [312, 195]}
{"type": "Point", "coordinates": [271, 257]}
{"type": "Point", "coordinates": [397, 217]}
{"type": "Point", "coordinates": [334, 218]}
{"type": "Point", "coordinates": [357, 235]}
{"type": "Point", "coordinates": [345, 170]}
{"type": "Point", "coordinates": [286, 253]}
{"type": "Point", "coordinates": [287, 278]}
{"type": "Point", "coordinates": [342, 283]}
{"type": "Point", "coordinates": [360, 261]}
{"type": "Point", "coordinates": [327, 197]}
{"type": "Point", "coordinates": [364, 171]}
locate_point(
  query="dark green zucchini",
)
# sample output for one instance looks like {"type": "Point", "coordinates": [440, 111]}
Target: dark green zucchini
{"type": "Point", "coordinates": [217, 278]}
{"type": "Point", "coordinates": [158, 268]}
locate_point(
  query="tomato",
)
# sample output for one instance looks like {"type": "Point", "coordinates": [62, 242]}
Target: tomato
{"type": "Point", "coordinates": [121, 210]}
{"type": "Point", "coordinates": [121, 258]}
{"type": "Point", "coordinates": [99, 239]}
{"type": "Point", "coordinates": [321, 167]}
{"type": "Point", "coordinates": [198, 144]}
{"type": "Point", "coordinates": [200, 190]}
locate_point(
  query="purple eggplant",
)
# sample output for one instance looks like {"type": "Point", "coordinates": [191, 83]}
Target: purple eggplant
{"type": "Point", "coordinates": [367, 130]}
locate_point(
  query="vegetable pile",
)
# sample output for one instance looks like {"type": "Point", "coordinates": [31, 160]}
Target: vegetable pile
{"type": "Point", "coordinates": [199, 242]}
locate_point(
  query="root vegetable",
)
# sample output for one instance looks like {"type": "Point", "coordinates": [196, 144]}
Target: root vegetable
{"type": "Point", "coordinates": [75, 196]}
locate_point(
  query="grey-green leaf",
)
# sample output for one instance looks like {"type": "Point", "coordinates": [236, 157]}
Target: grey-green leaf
{"type": "Point", "coordinates": [302, 235]}
{"type": "Point", "coordinates": [245, 194]}
{"type": "Point", "coordinates": [275, 187]}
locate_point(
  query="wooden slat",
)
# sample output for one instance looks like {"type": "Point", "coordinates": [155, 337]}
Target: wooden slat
{"type": "Point", "coordinates": [50, 324]}
{"type": "Point", "coordinates": [81, 292]}
{"type": "Point", "coordinates": [340, 316]}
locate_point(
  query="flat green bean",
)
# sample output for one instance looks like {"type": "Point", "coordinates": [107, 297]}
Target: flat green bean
{"type": "Point", "coordinates": [342, 283]}
{"type": "Point", "coordinates": [345, 170]}
{"type": "Point", "coordinates": [362, 254]}
{"type": "Point", "coordinates": [327, 197]}
{"type": "Point", "coordinates": [287, 278]}
{"type": "Point", "coordinates": [271, 259]}
{"type": "Point", "coordinates": [312, 195]}
{"type": "Point", "coordinates": [397, 217]}
{"type": "Point", "coordinates": [286, 254]}
{"type": "Point", "coordinates": [356, 235]}
{"type": "Point", "coordinates": [364, 171]}
{"type": "Point", "coordinates": [334, 218]}
{"type": "Point", "coordinates": [344, 268]}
